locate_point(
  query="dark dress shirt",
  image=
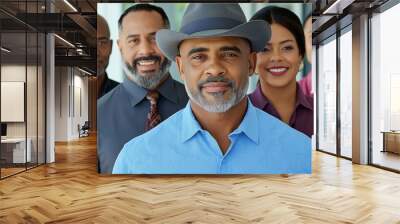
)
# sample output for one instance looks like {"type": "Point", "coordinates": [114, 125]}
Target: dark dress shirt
{"type": "Point", "coordinates": [122, 115]}
{"type": "Point", "coordinates": [107, 86]}
{"type": "Point", "coordinates": [302, 117]}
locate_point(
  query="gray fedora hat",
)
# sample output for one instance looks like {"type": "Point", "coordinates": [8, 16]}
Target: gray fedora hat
{"type": "Point", "coordinates": [202, 20]}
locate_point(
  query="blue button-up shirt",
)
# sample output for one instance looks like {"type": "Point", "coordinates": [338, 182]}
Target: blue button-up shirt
{"type": "Point", "coordinates": [261, 144]}
{"type": "Point", "coordinates": [122, 115]}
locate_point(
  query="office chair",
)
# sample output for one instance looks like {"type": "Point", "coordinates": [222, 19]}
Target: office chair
{"type": "Point", "coordinates": [84, 130]}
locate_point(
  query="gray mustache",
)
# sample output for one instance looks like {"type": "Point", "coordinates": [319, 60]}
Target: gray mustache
{"type": "Point", "coordinates": [215, 79]}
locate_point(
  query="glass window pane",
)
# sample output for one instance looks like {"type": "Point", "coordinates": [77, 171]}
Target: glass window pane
{"type": "Point", "coordinates": [327, 97]}
{"type": "Point", "coordinates": [13, 87]}
{"type": "Point", "coordinates": [31, 98]}
{"type": "Point", "coordinates": [385, 86]}
{"type": "Point", "coordinates": [346, 94]}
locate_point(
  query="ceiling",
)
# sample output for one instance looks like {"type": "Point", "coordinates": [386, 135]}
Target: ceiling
{"type": "Point", "coordinates": [72, 20]}
{"type": "Point", "coordinates": [330, 15]}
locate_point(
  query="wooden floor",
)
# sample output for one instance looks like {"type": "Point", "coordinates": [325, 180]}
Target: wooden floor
{"type": "Point", "coordinates": [70, 191]}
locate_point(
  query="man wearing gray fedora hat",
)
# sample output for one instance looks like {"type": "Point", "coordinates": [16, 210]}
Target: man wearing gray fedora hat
{"type": "Point", "coordinates": [219, 130]}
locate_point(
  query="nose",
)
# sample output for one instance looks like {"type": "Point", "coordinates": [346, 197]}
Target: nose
{"type": "Point", "coordinates": [215, 67]}
{"type": "Point", "coordinates": [275, 55]}
{"type": "Point", "coordinates": [146, 48]}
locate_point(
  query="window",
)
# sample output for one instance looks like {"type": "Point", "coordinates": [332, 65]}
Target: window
{"type": "Point", "coordinates": [22, 76]}
{"type": "Point", "coordinates": [346, 93]}
{"type": "Point", "coordinates": [385, 88]}
{"type": "Point", "coordinates": [327, 96]}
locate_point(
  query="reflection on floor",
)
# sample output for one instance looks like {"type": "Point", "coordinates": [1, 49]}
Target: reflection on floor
{"type": "Point", "coordinates": [71, 191]}
{"type": "Point", "coordinates": [387, 159]}
{"type": "Point", "coordinates": [10, 169]}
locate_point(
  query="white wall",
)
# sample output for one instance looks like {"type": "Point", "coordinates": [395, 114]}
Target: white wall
{"type": "Point", "coordinates": [61, 103]}
{"type": "Point", "coordinates": [17, 73]}
{"type": "Point", "coordinates": [71, 94]}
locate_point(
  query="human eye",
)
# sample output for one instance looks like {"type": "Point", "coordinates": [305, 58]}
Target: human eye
{"type": "Point", "coordinates": [288, 48]}
{"type": "Point", "coordinates": [100, 43]}
{"type": "Point", "coordinates": [197, 57]}
{"type": "Point", "coordinates": [152, 38]}
{"type": "Point", "coordinates": [133, 41]}
{"type": "Point", "coordinates": [229, 54]}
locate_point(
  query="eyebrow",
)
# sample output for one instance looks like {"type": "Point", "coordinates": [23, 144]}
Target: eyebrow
{"type": "Point", "coordinates": [197, 50]}
{"type": "Point", "coordinates": [136, 35]}
{"type": "Point", "coordinates": [283, 42]}
{"type": "Point", "coordinates": [230, 48]}
{"type": "Point", "coordinates": [103, 38]}
{"type": "Point", "coordinates": [203, 49]}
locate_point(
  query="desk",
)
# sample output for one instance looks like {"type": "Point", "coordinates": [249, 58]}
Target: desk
{"type": "Point", "coordinates": [391, 141]}
{"type": "Point", "coordinates": [16, 147]}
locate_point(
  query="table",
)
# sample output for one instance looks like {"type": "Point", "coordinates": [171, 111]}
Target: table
{"type": "Point", "coordinates": [391, 141]}
{"type": "Point", "coordinates": [16, 147]}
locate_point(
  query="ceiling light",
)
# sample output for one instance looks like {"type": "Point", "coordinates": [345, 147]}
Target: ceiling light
{"type": "Point", "coordinates": [70, 5]}
{"type": "Point", "coordinates": [5, 50]}
{"type": "Point", "coordinates": [337, 7]}
{"type": "Point", "coordinates": [65, 41]}
{"type": "Point", "coordinates": [333, 6]}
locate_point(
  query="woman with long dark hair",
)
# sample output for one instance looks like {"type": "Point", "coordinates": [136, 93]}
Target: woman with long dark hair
{"type": "Point", "coordinates": [278, 92]}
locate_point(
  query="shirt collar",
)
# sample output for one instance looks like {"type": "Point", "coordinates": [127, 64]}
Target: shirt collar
{"type": "Point", "coordinates": [261, 101]}
{"type": "Point", "coordinates": [258, 98]}
{"type": "Point", "coordinates": [169, 90]}
{"type": "Point", "coordinates": [248, 126]}
{"type": "Point", "coordinates": [302, 99]}
{"type": "Point", "coordinates": [137, 93]}
{"type": "Point", "coordinates": [190, 126]}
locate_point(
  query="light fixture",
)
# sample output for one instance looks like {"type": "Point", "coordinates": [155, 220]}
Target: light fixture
{"type": "Point", "coordinates": [337, 7]}
{"type": "Point", "coordinates": [65, 41]}
{"type": "Point", "coordinates": [5, 50]}
{"type": "Point", "coordinates": [329, 9]}
{"type": "Point", "coordinates": [84, 71]}
{"type": "Point", "coordinates": [70, 5]}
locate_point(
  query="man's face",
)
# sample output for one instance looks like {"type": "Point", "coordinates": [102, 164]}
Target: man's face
{"type": "Point", "coordinates": [104, 45]}
{"type": "Point", "coordinates": [143, 61]}
{"type": "Point", "coordinates": [216, 71]}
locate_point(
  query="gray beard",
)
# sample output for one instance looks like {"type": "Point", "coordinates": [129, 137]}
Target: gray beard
{"type": "Point", "coordinates": [150, 80]}
{"type": "Point", "coordinates": [221, 104]}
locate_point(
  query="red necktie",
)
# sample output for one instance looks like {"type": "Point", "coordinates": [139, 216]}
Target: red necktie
{"type": "Point", "coordinates": [153, 117]}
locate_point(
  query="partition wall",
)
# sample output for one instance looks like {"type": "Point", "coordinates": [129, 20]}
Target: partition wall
{"type": "Point", "coordinates": [23, 86]}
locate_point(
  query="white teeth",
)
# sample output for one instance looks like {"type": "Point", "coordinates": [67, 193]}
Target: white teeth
{"type": "Point", "coordinates": [277, 69]}
{"type": "Point", "coordinates": [148, 62]}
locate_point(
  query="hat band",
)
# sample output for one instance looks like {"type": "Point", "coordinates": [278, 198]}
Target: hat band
{"type": "Point", "coordinates": [214, 23]}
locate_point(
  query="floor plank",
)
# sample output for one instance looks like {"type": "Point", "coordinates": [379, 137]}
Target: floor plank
{"type": "Point", "coordinates": [71, 191]}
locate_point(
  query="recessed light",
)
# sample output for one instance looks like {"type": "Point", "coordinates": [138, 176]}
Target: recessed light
{"type": "Point", "coordinates": [70, 5]}
{"type": "Point", "coordinates": [5, 50]}
{"type": "Point", "coordinates": [64, 40]}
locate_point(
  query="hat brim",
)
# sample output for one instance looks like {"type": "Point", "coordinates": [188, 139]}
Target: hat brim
{"type": "Point", "coordinates": [258, 32]}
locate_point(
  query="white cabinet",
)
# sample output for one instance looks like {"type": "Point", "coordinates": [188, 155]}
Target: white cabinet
{"type": "Point", "coordinates": [18, 149]}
